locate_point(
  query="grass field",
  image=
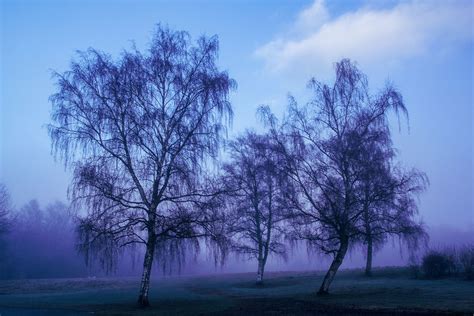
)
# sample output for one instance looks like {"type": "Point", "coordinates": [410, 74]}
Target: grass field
{"type": "Point", "coordinates": [390, 291]}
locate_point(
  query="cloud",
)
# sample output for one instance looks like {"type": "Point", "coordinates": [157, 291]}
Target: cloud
{"type": "Point", "coordinates": [312, 18]}
{"type": "Point", "coordinates": [407, 30]}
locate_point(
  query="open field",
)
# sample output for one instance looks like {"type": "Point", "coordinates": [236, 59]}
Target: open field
{"type": "Point", "coordinates": [390, 291]}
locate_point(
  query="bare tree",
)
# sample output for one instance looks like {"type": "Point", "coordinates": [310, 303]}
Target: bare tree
{"type": "Point", "coordinates": [138, 132]}
{"type": "Point", "coordinates": [323, 142]}
{"type": "Point", "coordinates": [387, 195]}
{"type": "Point", "coordinates": [255, 204]}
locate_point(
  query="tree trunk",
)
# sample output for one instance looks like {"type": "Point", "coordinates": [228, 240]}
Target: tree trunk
{"type": "Point", "coordinates": [368, 234]}
{"type": "Point", "coordinates": [336, 263]}
{"type": "Point", "coordinates": [147, 264]}
{"type": "Point", "coordinates": [368, 265]}
{"type": "Point", "coordinates": [260, 269]}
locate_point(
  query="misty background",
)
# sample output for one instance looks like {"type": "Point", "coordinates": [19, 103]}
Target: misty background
{"type": "Point", "coordinates": [424, 48]}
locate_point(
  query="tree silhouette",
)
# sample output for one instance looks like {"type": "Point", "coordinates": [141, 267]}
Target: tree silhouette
{"type": "Point", "coordinates": [328, 144]}
{"type": "Point", "coordinates": [255, 202]}
{"type": "Point", "coordinates": [138, 131]}
{"type": "Point", "coordinates": [387, 194]}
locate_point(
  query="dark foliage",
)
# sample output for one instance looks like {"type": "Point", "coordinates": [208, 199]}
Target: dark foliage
{"type": "Point", "coordinates": [437, 264]}
{"type": "Point", "coordinates": [466, 261]}
{"type": "Point", "coordinates": [450, 261]}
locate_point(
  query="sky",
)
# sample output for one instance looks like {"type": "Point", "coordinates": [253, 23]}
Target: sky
{"type": "Point", "coordinates": [271, 48]}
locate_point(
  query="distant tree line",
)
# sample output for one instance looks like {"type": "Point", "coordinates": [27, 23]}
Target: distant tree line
{"type": "Point", "coordinates": [37, 242]}
{"type": "Point", "coordinates": [143, 134]}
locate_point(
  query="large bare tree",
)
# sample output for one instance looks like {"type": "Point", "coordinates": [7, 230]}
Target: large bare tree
{"type": "Point", "coordinates": [255, 203]}
{"type": "Point", "coordinates": [138, 132]}
{"type": "Point", "coordinates": [323, 142]}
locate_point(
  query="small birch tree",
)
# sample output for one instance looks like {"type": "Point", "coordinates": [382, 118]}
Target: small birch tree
{"type": "Point", "coordinates": [255, 203]}
{"type": "Point", "coordinates": [388, 195]}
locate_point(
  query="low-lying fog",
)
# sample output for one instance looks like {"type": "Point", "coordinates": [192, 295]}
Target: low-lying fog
{"type": "Point", "coordinates": [43, 245]}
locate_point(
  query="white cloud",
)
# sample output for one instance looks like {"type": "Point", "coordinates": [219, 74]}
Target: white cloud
{"type": "Point", "coordinates": [311, 18]}
{"type": "Point", "coordinates": [407, 30]}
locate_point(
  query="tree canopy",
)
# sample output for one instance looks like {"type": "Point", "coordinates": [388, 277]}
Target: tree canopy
{"type": "Point", "coordinates": [137, 132]}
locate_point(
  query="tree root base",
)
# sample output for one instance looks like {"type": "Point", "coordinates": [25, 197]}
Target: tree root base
{"type": "Point", "coordinates": [322, 293]}
{"type": "Point", "coordinates": [143, 301]}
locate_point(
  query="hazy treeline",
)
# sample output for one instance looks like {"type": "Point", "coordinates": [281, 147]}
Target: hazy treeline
{"type": "Point", "coordinates": [38, 242]}
{"type": "Point", "coordinates": [41, 242]}
{"type": "Point", "coordinates": [21, 255]}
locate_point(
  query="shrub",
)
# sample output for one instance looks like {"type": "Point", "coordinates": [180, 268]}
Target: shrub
{"type": "Point", "coordinates": [466, 261]}
{"type": "Point", "coordinates": [438, 264]}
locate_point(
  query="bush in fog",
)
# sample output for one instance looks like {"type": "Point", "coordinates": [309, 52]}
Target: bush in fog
{"type": "Point", "coordinates": [438, 264]}
{"type": "Point", "coordinates": [449, 262]}
{"type": "Point", "coordinates": [466, 261]}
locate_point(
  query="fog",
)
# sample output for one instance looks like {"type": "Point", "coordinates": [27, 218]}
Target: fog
{"type": "Point", "coordinates": [43, 245]}
{"type": "Point", "coordinates": [300, 259]}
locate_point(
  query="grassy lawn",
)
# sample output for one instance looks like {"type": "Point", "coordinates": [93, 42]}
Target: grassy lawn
{"type": "Point", "coordinates": [390, 291]}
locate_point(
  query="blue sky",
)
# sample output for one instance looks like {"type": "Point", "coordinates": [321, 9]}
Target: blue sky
{"type": "Point", "coordinates": [271, 48]}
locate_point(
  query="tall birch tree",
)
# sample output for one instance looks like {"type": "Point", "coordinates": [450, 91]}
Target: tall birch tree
{"type": "Point", "coordinates": [137, 132]}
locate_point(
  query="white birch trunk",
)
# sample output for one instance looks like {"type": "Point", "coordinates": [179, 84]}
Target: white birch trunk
{"type": "Point", "coordinates": [145, 282]}
{"type": "Point", "coordinates": [260, 272]}
{"type": "Point", "coordinates": [336, 263]}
